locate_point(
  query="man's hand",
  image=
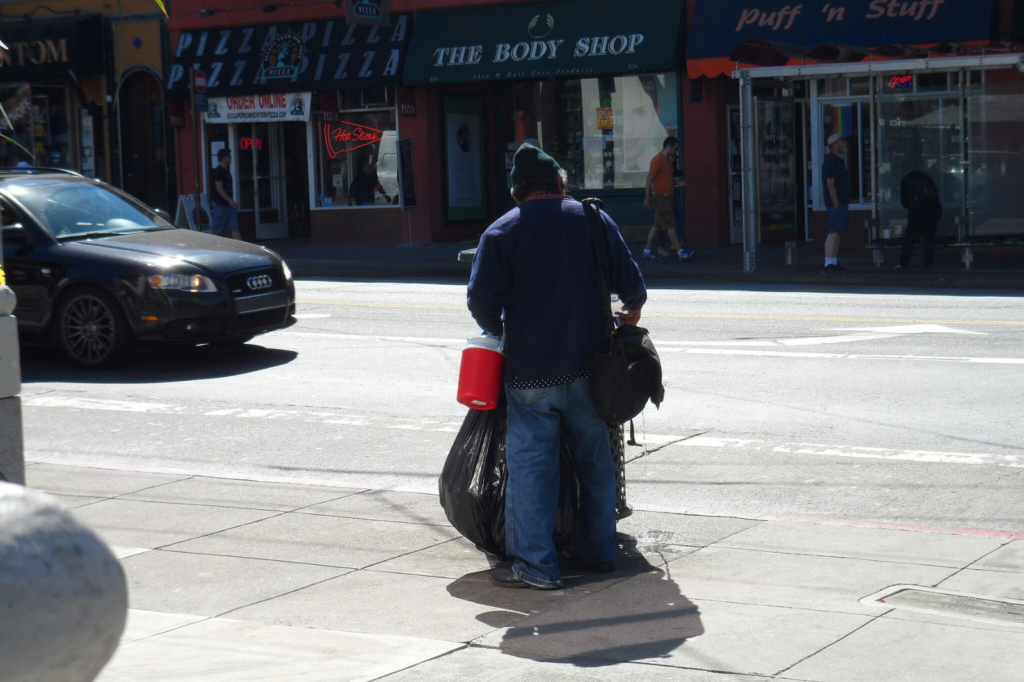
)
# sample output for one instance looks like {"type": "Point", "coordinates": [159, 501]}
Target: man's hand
{"type": "Point", "coordinates": [233, 204]}
{"type": "Point", "coordinates": [627, 316]}
{"type": "Point", "coordinates": [647, 203]}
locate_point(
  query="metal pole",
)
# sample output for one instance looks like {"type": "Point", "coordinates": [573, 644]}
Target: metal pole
{"type": "Point", "coordinates": [197, 214]}
{"type": "Point", "coordinates": [748, 161]}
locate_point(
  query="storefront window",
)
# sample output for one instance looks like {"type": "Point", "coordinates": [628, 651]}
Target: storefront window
{"type": "Point", "coordinates": [602, 131]}
{"type": "Point", "coordinates": [853, 120]}
{"type": "Point", "coordinates": [922, 133]}
{"type": "Point", "coordinates": [353, 143]}
{"type": "Point", "coordinates": [995, 159]}
{"type": "Point", "coordinates": [39, 115]}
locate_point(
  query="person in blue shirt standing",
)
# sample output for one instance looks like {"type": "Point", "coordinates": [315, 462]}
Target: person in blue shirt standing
{"type": "Point", "coordinates": [535, 281]}
{"type": "Point", "coordinates": [835, 178]}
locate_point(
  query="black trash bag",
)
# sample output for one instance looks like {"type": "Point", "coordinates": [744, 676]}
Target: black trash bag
{"type": "Point", "coordinates": [472, 483]}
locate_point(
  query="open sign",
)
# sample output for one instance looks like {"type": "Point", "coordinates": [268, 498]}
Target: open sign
{"type": "Point", "coordinates": [899, 82]}
{"type": "Point", "coordinates": [248, 144]}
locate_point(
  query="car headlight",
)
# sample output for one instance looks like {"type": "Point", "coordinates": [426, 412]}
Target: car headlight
{"type": "Point", "coordinates": [193, 283]}
{"type": "Point", "coordinates": [287, 271]}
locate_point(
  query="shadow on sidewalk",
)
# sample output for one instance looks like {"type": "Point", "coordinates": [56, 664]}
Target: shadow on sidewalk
{"type": "Point", "coordinates": [158, 365]}
{"type": "Point", "coordinates": [636, 613]}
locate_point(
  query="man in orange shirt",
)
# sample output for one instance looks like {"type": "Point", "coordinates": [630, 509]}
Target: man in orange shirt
{"type": "Point", "coordinates": [660, 197]}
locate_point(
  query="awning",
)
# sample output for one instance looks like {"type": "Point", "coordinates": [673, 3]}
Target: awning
{"type": "Point", "coordinates": [297, 57]}
{"type": "Point", "coordinates": [720, 26]}
{"type": "Point", "coordinates": [572, 38]}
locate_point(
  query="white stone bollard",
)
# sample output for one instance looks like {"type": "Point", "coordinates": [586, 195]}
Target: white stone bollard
{"type": "Point", "coordinates": [12, 457]}
{"type": "Point", "coordinates": [63, 596]}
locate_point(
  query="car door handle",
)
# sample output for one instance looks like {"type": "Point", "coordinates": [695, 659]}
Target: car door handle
{"type": "Point", "coordinates": [45, 271]}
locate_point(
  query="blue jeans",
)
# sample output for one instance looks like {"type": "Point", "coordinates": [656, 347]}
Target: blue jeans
{"type": "Point", "coordinates": [538, 419]}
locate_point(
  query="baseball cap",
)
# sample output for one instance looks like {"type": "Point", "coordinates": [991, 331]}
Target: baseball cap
{"type": "Point", "coordinates": [833, 138]}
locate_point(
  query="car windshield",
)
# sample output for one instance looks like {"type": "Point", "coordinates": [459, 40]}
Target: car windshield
{"type": "Point", "coordinates": [69, 209]}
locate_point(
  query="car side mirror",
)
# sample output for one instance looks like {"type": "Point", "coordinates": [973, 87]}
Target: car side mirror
{"type": "Point", "coordinates": [16, 235]}
{"type": "Point", "coordinates": [164, 214]}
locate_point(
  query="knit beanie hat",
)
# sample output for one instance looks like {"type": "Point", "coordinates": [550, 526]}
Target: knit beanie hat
{"type": "Point", "coordinates": [533, 165]}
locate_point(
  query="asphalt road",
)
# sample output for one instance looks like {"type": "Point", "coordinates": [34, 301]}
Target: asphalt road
{"type": "Point", "coordinates": [859, 405]}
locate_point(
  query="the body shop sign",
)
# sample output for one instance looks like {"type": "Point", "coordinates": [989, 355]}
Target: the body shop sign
{"type": "Point", "coordinates": [259, 108]}
{"type": "Point", "coordinates": [543, 40]}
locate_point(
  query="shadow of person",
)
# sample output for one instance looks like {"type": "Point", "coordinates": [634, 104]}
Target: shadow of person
{"type": "Point", "coordinates": [636, 613]}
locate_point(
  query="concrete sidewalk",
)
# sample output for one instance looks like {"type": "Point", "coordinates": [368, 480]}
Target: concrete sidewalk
{"type": "Point", "coordinates": [240, 580]}
{"type": "Point", "coordinates": [991, 270]}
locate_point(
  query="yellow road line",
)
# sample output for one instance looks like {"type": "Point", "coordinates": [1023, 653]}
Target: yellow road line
{"type": "Point", "coordinates": [687, 316]}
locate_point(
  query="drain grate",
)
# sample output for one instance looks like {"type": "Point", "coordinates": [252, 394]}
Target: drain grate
{"type": "Point", "coordinates": [936, 601]}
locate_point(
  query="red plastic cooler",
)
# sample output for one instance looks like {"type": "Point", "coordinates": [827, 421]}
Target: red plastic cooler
{"type": "Point", "coordinates": [481, 373]}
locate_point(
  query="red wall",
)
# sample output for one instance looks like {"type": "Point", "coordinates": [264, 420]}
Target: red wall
{"type": "Point", "coordinates": [705, 162]}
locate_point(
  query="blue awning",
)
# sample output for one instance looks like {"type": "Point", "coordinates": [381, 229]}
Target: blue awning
{"type": "Point", "coordinates": [720, 26]}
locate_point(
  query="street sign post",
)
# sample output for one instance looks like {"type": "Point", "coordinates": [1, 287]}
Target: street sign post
{"type": "Point", "coordinates": [197, 81]}
{"type": "Point", "coordinates": [199, 92]}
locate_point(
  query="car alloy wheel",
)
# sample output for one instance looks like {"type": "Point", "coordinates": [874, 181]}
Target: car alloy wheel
{"type": "Point", "coordinates": [92, 332]}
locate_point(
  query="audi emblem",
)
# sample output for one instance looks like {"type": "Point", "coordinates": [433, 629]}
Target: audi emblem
{"type": "Point", "coordinates": [260, 282]}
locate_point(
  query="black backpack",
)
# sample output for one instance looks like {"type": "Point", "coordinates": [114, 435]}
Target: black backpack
{"type": "Point", "coordinates": [629, 374]}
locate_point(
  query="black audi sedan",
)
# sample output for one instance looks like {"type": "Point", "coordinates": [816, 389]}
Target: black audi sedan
{"type": "Point", "coordinates": [98, 274]}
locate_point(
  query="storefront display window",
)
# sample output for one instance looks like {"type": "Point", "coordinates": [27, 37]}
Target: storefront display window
{"type": "Point", "coordinates": [853, 120]}
{"type": "Point", "coordinates": [995, 159]}
{"type": "Point", "coordinates": [347, 142]}
{"type": "Point", "coordinates": [922, 132]}
{"type": "Point", "coordinates": [602, 131]}
{"type": "Point", "coordinates": [39, 115]}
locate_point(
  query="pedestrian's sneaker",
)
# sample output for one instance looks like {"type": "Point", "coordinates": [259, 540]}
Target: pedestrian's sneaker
{"type": "Point", "coordinates": [839, 268]}
{"type": "Point", "coordinates": [685, 255]}
{"type": "Point", "coordinates": [830, 270]}
{"type": "Point", "coordinates": [649, 255]}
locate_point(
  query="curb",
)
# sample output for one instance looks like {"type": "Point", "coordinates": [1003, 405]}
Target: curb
{"type": "Point", "coordinates": [858, 279]}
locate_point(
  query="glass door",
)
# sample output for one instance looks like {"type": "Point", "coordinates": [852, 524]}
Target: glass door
{"type": "Point", "coordinates": [268, 181]}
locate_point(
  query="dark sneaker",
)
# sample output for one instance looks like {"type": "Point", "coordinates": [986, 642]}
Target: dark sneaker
{"type": "Point", "coordinates": [504, 577]}
{"type": "Point", "coordinates": [649, 255]}
{"type": "Point", "coordinates": [840, 268]}
{"type": "Point", "coordinates": [830, 270]}
{"type": "Point", "coordinates": [684, 254]}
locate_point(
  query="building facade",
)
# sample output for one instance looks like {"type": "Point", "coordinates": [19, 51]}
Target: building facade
{"type": "Point", "coordinates": [929, 86]}
{"type": "Point", "coordinates": [461, 84]}
{"type": "Point", "coordinates": [82, 84]}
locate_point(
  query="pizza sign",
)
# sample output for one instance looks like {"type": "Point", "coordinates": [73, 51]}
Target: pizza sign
{"type": "Point", "coordinates": [343, 137]}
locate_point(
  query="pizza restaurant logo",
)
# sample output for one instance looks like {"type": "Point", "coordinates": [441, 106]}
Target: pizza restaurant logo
{"type": "Point", "coordinates": [282, 57]}
{"type": "Point", "coordinates": [367, 9]}
{"type": "Point", "coordinates": [343, 137]}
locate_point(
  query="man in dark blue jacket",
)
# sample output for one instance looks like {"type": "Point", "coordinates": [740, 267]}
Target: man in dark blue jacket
{"type": "Point", "coordinates": [535, 280]}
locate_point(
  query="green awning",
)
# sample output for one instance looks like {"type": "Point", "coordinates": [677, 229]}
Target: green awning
{"type": "Point", "coordinates": [572, 38]}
